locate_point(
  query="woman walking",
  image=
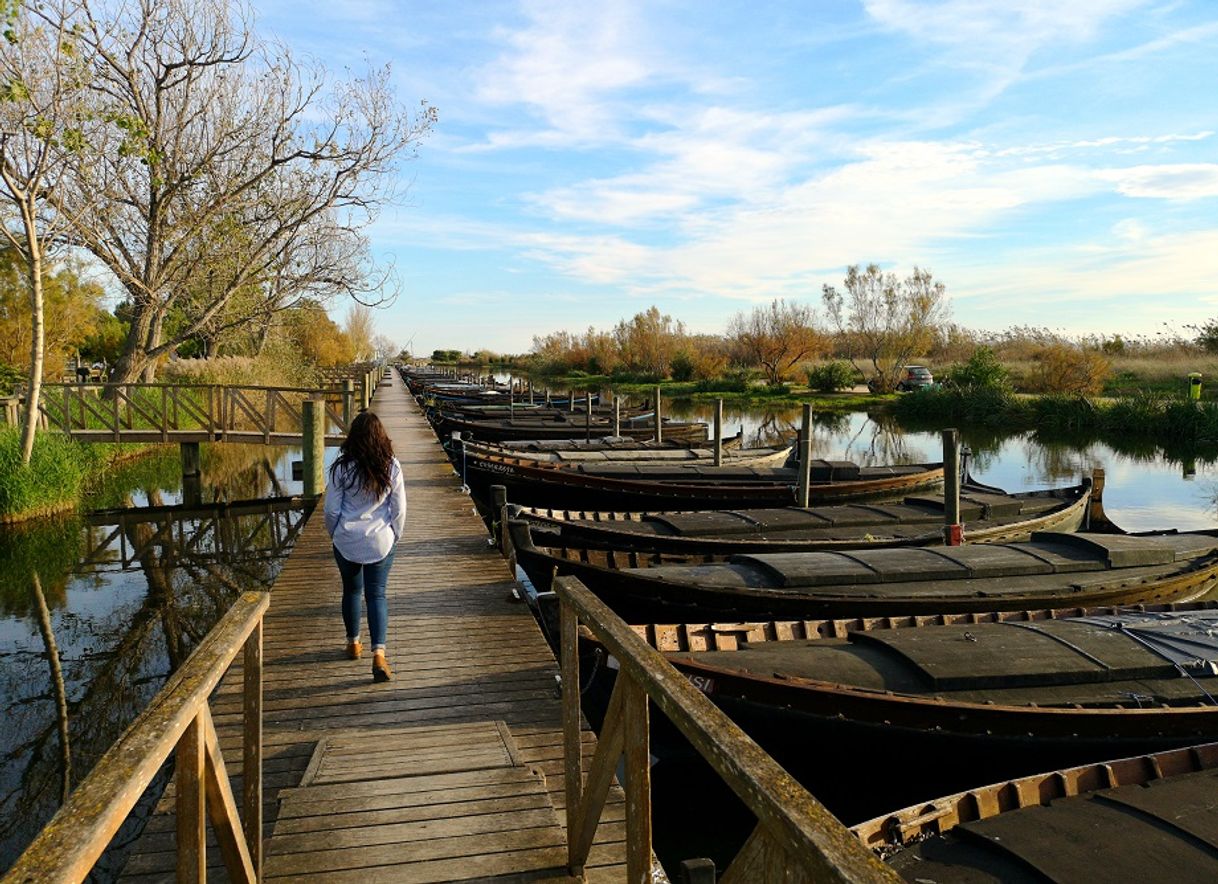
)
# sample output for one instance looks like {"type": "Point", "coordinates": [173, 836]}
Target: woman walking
{"type": "Point", "coordinates": [365, 513]}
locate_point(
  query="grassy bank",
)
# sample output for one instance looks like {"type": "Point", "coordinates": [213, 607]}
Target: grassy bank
{"type": "Point", "coordinates": [59, 472]}
{"type": "Point", "coordinates": [1173, 422]}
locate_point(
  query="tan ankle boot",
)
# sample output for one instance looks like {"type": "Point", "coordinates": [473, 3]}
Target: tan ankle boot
{"type": "Point", "coordinates": [354, 650]}
{"type": "Point", "coordinates": [380, 667]}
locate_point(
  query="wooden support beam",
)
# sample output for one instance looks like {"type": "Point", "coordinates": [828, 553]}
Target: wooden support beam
{"type": "Point", "coordinates": [190, 811]}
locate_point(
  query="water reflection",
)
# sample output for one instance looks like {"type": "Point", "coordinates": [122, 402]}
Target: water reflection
{"type": "Point", "coordinates": [97, 610]}
{"type": "Point", "coordinates": [1145, 488]}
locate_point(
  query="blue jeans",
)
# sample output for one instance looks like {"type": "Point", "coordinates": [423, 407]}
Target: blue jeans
{"type": "Point", "coordinates": [370, 580]}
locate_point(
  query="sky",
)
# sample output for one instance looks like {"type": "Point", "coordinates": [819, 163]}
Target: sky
{"type": "Point", "coordinates": [1053, 163]}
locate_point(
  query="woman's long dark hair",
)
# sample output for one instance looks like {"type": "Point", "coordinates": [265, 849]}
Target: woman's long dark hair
{"type": "Point", "coordinates": [367, 454]}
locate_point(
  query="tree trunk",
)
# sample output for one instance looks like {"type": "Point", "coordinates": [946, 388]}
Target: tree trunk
{"type": "Point", "coordinates": [131, 364]}
{"type": "Point", "coordinates": [37, 349]}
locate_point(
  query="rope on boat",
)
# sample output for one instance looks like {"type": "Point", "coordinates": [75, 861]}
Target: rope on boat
{"type": "Point", "coordinates": [1163, 636]}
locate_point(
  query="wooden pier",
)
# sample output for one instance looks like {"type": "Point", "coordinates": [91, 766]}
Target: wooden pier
{"type": "Point", "coordinates": [452, 771]}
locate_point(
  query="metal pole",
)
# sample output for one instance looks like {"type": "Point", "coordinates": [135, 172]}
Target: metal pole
{"type": "Point", "coordinates": [805, 455]}
{"type": "Point", "coordinates": [312, 414]}
{"type": "Point", "coordinates": [659, 429]}
{"type": "Point", "coordinates": [952, 530]}
{"type": "Point", "coordinates": [718, 432]}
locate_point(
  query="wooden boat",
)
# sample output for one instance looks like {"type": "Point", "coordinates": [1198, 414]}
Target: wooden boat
{"type": "Point", "coordinates": [578, 453]}
{"type": "Point", "coordinates": [1052, 568]}
{"type": "Point", "coordinates": [1142, 818]}
{"type": "Point", "coordinates": [897, 707]}
{"type": "Point", "coordinates": [686, 487]}
{"type": "Point", "coordinates": [989, 515]}
{"type": "Point", "coordinates": [562, 426]}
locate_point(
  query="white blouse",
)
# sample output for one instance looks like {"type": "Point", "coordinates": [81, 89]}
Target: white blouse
{"type": "Point", "coordinates": [363, 528]}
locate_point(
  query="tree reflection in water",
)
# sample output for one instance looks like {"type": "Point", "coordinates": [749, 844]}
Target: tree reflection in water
{"type": "Point", "coordinates": [98, 611]}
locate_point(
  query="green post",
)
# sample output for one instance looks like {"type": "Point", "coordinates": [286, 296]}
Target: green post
{"type": "Point", "coordinates": [314, 444]}
{"type": "Point", "coordinates": [1194, 385]}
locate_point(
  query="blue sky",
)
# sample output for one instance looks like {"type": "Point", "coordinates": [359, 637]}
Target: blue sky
{"type": "Point", "coordinates": [1052, 162]}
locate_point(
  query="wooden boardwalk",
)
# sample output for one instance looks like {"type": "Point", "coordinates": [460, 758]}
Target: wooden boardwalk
{"type": "Point", "coordinates": [453, 770]}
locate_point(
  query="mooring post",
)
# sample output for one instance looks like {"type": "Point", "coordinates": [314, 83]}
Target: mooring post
{"type": "Point", "coordinates": [571, 401]}
{"type": "Point", "coordinates": [312, 415]}
{"type": "Point", "coordinates": [617, 416]}
{"type": "Point", "coordinates": [952, 530]}
{"type": "Point", "coordinates": [659, 429]}
{"type": "Point", "coordinates": [588, 419]}
{"type": "Point", "coordinates": [530, 391]}
{"type": "Point", "coordinates": [805, 455]}
{"type": "Point", "coordinates": [1096, 518]}
{"type": "Point", "coordinates": [498, 514]}
{"type": "Point", "coordinates": [348, 402]}
{"type": "Point", "coordinates": [718, 432]}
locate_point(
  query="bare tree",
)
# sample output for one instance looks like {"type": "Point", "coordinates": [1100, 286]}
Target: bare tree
{"type": "Point", "coordinates": [41, 79]}
{"type": "Point", "coordinates": [885, 321]}
{"type": "Point", "coordinates": [202, 128]}
{"type": "Point", "coordinates": [777, 338]}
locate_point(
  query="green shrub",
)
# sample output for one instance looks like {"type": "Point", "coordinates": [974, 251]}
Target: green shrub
{"type": "Point", "coordinates": [982, 370]}
{"type": "Point", "coordinates": [682, 366]}
{"type": "Point", "coordinates": [831, 377]}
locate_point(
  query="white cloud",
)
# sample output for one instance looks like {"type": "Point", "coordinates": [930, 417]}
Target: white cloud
{"type": "Point", "coordinates": [1181, 181]}
{"type": "Point", "coordinates": [568, 66]}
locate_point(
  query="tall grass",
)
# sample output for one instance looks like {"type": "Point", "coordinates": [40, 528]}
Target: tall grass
{"type": "Point", "coordinates": [52, 480]}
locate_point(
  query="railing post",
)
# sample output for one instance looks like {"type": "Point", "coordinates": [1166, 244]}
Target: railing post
{"type": "Point", "coordinates": [638, 782]}
{"type": "Point", "coordinates": [805, 456]}
{"type": "Point", "coordinates": [190, 810]}
{"type": "Point", "coordinates": [573, 771]}
{"type": "Point", "coordinates": [952, 532]}
{"type": "Point", "coordinates": [312, 419]}
{"type": "Point", "coordinates": [348, 402]}
{"type": "Point", "coordinates": [251, 756]}
{"type": "Point", "coordinates": [718, 432]}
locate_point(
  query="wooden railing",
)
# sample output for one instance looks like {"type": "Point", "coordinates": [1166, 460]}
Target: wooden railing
{"type": "Point", "coordinates": [796, 839]}
{"type": "Point", "coordinates": [177, 721]}
{"type": "Point", "coordinates": [188, 412]}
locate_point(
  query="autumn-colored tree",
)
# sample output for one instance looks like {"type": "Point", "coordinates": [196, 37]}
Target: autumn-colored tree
{"type": "Point", "coordinates": [317, 337]}
{"type": "Point", "coordinates": [646, 342]}
{"type": "Point", "coordinates": [72, 313]}
{"type": "Point", "coordinates": [884, 321]}
{"type": "Point", "coordinates": [776, 337]}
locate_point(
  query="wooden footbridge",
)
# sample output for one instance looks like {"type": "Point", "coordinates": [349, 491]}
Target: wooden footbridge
{"type": "Point", "coordinates": [467, 766]}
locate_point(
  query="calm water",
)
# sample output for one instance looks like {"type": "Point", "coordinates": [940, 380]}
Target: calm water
{"type": "Point", "coordinates": [1143, 490]}
{"type": "Point", "coordinates": [124, 596]}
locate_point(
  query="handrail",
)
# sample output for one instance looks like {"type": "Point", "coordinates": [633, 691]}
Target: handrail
{"type": "Point", "coordinates": [796, 839]}
{"type": "Point", "coordinates": [178, 718]}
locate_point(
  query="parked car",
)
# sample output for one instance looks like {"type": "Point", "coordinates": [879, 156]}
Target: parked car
{"type": "Point", "coordinates": [915, 377]}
